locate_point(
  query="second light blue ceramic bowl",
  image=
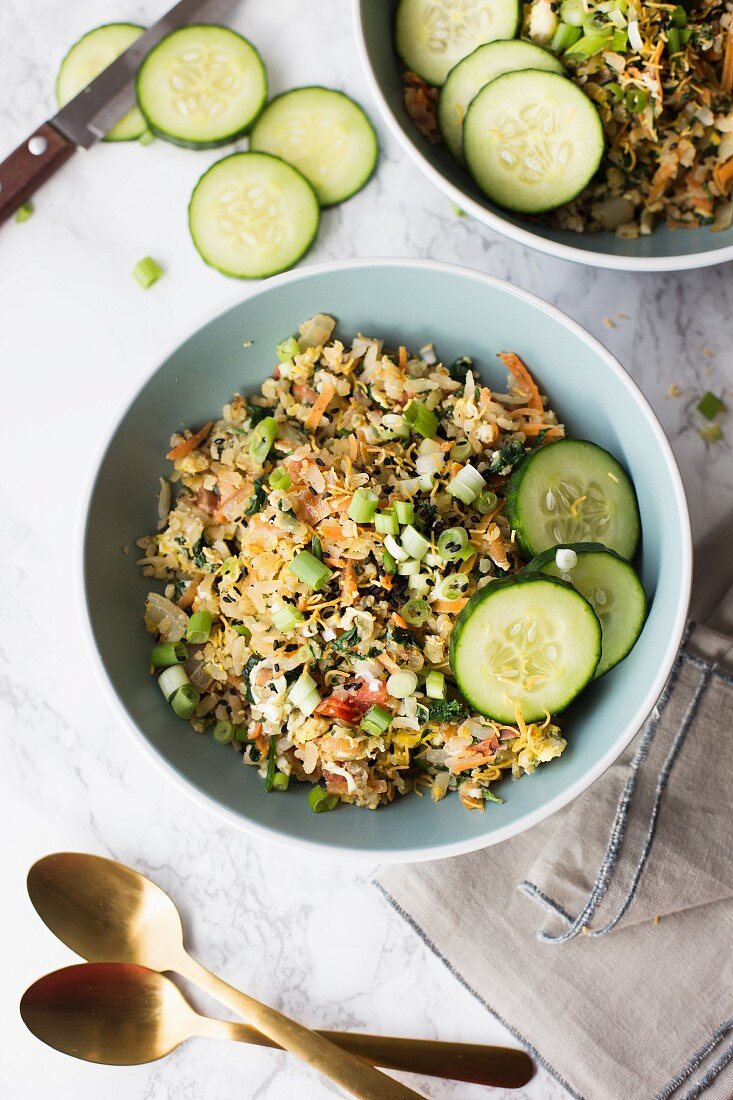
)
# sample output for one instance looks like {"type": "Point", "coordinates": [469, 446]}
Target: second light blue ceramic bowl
{"type": "Point", "coordinates": [665, 250]}
{"type": "Point", "coordinates": [405, 302]}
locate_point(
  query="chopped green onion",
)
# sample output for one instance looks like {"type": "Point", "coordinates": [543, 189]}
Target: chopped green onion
{"type": "Point", "coordinates": [388, 563]}
{"type": "Point", "coordinates": [223, 731]}
{"type": "Point", "coordinates": [466, 485]}
{"type": "Point", "coordinates": [386, 523]}
{"type": "Point", "coordinates": [24, 212]}
{"type": "Point", "coordinates": [146, 137]}
{"type": "Point", "coordinates": [614, 90]}
{"type": "Point", "coordinates": [263, 438]}
{"type": "Point", "coordinates": [147, 272]}
{"type": "Point", "coordinates": [466, 553]}
{"type": "Point", "coordinates": [241, 734]}
{"type": "Point", "coordinates": [451, 587]}
{"type": "Point", "coordinates": [363, 505]}
{"type": "Point", "coordinates": [271, 764]}
{"type": "Point", "coordinates": [409, 568]}
{"type": "Point", "coordinates": [461, 451]}
{"type": "Point", "coordinates": [243, 631]}
{"type": "Point", "coordinates": [392, 427]}
{"type": "Point", "coordinates": [636, 100]}
{"type": "Point", "coordinates": [619, 41]}
{"type": "Point", "coordinates": [321, 802]}
{"type": "Point", "coordinates": [710, 405]}
{"type": "Point", "coordinates": [486, 502]}
{"type": "Point", "coordinates": [489, 796]}
{"type": "Point", "coordinates": [280, 479]}
{"type": "Point", "coordinates": [376, 721]}
{"type": "Point", "coordinates": [199, 628]}
{"type": "Point", "coordinates": [572, 12]}
{"type": "Point", "coordinates": [395, 549]}
{"type": "Point", "coordinates": [414, 543]}
{"type": "Point", "coordinates": [679, 17]}
{"type": "Point", "coordinates": [316, 548]}
{"type": "Point", "coordinates": [435, 685]}
{"type": "Point", "coordinates": [171, 679]}
{"type": "Point", "coordinates": [564, 37]}
{"type": "Point", "coordinates": [308, 569]}
{"type": "Point", "coordinates": [420, 419]}
{"type": "Point", "coordinates": [280, 781]}
{"type": "Point", "coordinates": [673, 40]}
{"type": "Point", "coordinates": [304, 694]}
{"type": "Point", "coordinates": [419, 583]}
{"type": "Point", "coordinates": [287, 349]}
{"type": "Point", "coordinates": [405, 511]}
{"type": "Point", "coordinates": [185, 700]}
{"type": "Point", "coordinates": [416, 612]}
{"type": "Point", "coordinates": [451, 542]}
{"type": "Point", "coordinates": [166, 654]}
{"type": "Point", "coordinates": [589, 45]}
{"type": "Point", "coordinates": [402, 684]}
{"type": "Point", "coordinates": [286, 618]}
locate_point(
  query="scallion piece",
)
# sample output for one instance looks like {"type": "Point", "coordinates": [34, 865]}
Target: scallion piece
{"type": "Point", "coordinates": [466, 485]}
{"type": "Point", "coordinates": [679, 17]}
{"type": "Point", "coordinates": [185, 700]}
{"type": "Point", "coordinates": [395, 549]}
{"type": "Point", "coordinates": [451, 542]}
{"type": "Point", "coordinates": [263, 437]}
{"type": "Point", "coordinates": [435, 685]}
{"type": "Point", "coordinates": [386, 523]}
{"type": "Point", "coordinates": [24, 212]}
{"type": "Point", "coordinates": [146, 272]}
{"type": "Point", "coordinates": [308, 569]}
{"type": "Point", "coordinates": [486, 502]}
{"type": "Point", "coordinates": [199, 628]}
{"type": "Point", "coordinates": [223, 731]}
{"type": "Point", "coordinates": [363, 505]}
{"type": "Point", "coordinates": [572, 12]}
{"type": "Point", "coordinates": [416, 612]}
{"type": "Point", "coordinates": [636, 100]}
{"type": "Point", "coordinates": [166, 654]}
{"type": "Point", "coordinates": [461, 451]}
{"type": "Point", "coordinates": [402, 684]}
{"type": "Point", "coordinates": [409, 568]}
{"type": "Point", "coordinates": [392, 427]}
{"type": "Point", "coordinates": [420, 419]}
{"type": "Point", "coordinates": [171, 679]}
{"type": "Point", "coordinates": [280, 781]}
{"type": "Point", "coordinates": [287, 349]}
{"type": "Point", "coordinates": [710, 405]}
{"type": "Point", "coordinates": [614, 90]}
{"type": "Point", "coordinates": [286, 618]}
{"type": "Point", "coordinates": [388, 563]}
{"type": "Point", "coordinates": [316, 548]}
{"type": "Point", "coordinates": [302, 687]}
{"type": "Point", "coordinates": [243, 631]}
{"type": "Point", "coordinates": [451, 587]}
{"type": "Point", "coordinates": [673, 40]}
{"type": "Point", "coordinates": [564, 37]}
{"type": "Point", "coordinates": [405, 511]}
{"type": "Point", "coordinates": [376, 721]}
{"type": "Point", "coordinates": [280, 479]}
{"type": "Point", "coordinates": [271, 764]}
{"type": "Point", "coordinates": [419, 583]}
{"type": "Point", "coordinates": [320, 801]}
{"type": "Point", "coordinates": [414, 543]}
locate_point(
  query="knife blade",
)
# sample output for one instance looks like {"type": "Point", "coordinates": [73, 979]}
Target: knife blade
{"type": "Point", "coordinates": [94, 111]}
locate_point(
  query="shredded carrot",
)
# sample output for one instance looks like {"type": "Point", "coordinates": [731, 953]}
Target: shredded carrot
{"type": "Point", "coordinates": [403, 356]}
{"type": "Point", "coordinates": [351, 588]}
{"type": "Point", "coordinates": [467, 565]}
{"type": "Point", "coordinates": [470, 764]}
{"type": "Point", "coordinates": [389, 664]}
{"type": "Point", "coordinates": [661, 178]}
{"type": "Point", "coordinates": [386, 581]}
{"type": "Point", "coordinates": [723, 176]}
{"type": "Point", "coordinates": [331, 530]}
{"type": "Point", "coordinates": [189, 595]}
{"type": "Point", "coordinates": [399, 621]}
{"type": "Point", "coordinates": [190, 444]}
{"type": "Point", "coordinates": [337, 563]}
{"type": "Point", "coordinates": [324, 400]}
{"type": "Point", "coordinates": [448, 607]}
{"type": "Point", "coordinates": [531, 430]}
{"type": "Point", "coordinates": [524, 379]}
{"type": "Point", "coordinates": [726, 80]}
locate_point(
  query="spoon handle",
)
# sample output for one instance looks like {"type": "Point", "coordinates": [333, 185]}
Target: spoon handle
{"type": "Point", "coordinates": [477, 1063]}
{"type": "Point", "coordinates": [347, 1070]}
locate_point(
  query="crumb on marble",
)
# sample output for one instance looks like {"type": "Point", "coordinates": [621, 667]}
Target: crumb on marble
{"type": "Point", "coordinates": [712, 434]}
{"type": "Point", "coordinates": [674, 391]}
{"type": "Point", "coordinates": [125, 549]}
{"type": "Point", "coordinates": [609, 323]}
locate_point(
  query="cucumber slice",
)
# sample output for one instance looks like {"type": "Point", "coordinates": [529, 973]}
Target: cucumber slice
{"type": "Point", "coordinates": [86, 59]}
{"type": "Point", "coordinates": [201, 86]}
{"type": "Point", "coordinates": [252, 215]}
{"type": "Point", "coordinates": [572, 491]}
{"type": "Point", "coordinates": [530, 641]}
{"type": "Point", "coordinates": [532, 140]}
{"type": "Point", "coordinates": [611, 587]}
{"type": "Point", "coordinates": [469, 76]}
{"type": "Point", "coordinates": [431, 36]}
{"type": "Point", "coordinates": [325, 135]}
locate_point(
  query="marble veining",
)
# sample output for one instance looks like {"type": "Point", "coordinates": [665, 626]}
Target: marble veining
{"type": "Point", "coordinates": [310, 936]}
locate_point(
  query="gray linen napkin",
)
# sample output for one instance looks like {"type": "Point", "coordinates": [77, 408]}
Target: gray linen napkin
{"type": "Point", "coordinates": [607, 946]}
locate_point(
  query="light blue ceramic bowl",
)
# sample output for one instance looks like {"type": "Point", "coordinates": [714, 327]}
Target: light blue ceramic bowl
{"type": "Point", "coordinates": [405, 302]}
{"type": "Point", "coordinates": [664, 250]}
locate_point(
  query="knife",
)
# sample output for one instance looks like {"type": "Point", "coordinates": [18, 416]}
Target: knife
{"type": "Point", "coordinates": [94, 111]}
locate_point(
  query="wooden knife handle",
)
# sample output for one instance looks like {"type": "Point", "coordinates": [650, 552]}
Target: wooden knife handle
{"type": "Point", "coordinates": [30, 165]}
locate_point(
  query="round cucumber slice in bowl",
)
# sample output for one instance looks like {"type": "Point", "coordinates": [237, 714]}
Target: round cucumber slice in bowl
{"type": "Point", "coordinates": [609, 584]}
{"type": "Point", "coordinates": [431, 39]}
{"type": "Point", "coordinates": [527, 646]}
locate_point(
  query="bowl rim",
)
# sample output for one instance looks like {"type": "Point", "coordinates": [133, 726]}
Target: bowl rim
{"type": "Point", "coordinates": [605, 260]}
{"type": "Point", "coordinates": [365, 854]}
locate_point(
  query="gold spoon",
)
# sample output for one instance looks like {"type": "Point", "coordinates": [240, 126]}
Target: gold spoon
{"type": "Point", "coordinates": [123, 1015]}
{"type": "Point", "coordinates": [107, 912]}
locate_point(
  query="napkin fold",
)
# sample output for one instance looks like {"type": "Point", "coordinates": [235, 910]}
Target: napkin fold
{"type": "Point", "coordinates": [603, 937]}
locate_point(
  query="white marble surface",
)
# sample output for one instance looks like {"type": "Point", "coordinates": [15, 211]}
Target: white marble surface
{"type": "Point", "coordinates": [312, 937]}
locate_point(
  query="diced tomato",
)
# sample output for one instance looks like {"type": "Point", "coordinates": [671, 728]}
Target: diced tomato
{"type": "Point", "coordinates": [306, 395]}
{"type": "Point", "coordinates": [351, 704]}
{"type": "Point", "coordinates": [491, 744]}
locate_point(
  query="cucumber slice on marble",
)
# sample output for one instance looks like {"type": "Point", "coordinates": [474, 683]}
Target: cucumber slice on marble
{"type": "Point", "coordinates": [86, 59]}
